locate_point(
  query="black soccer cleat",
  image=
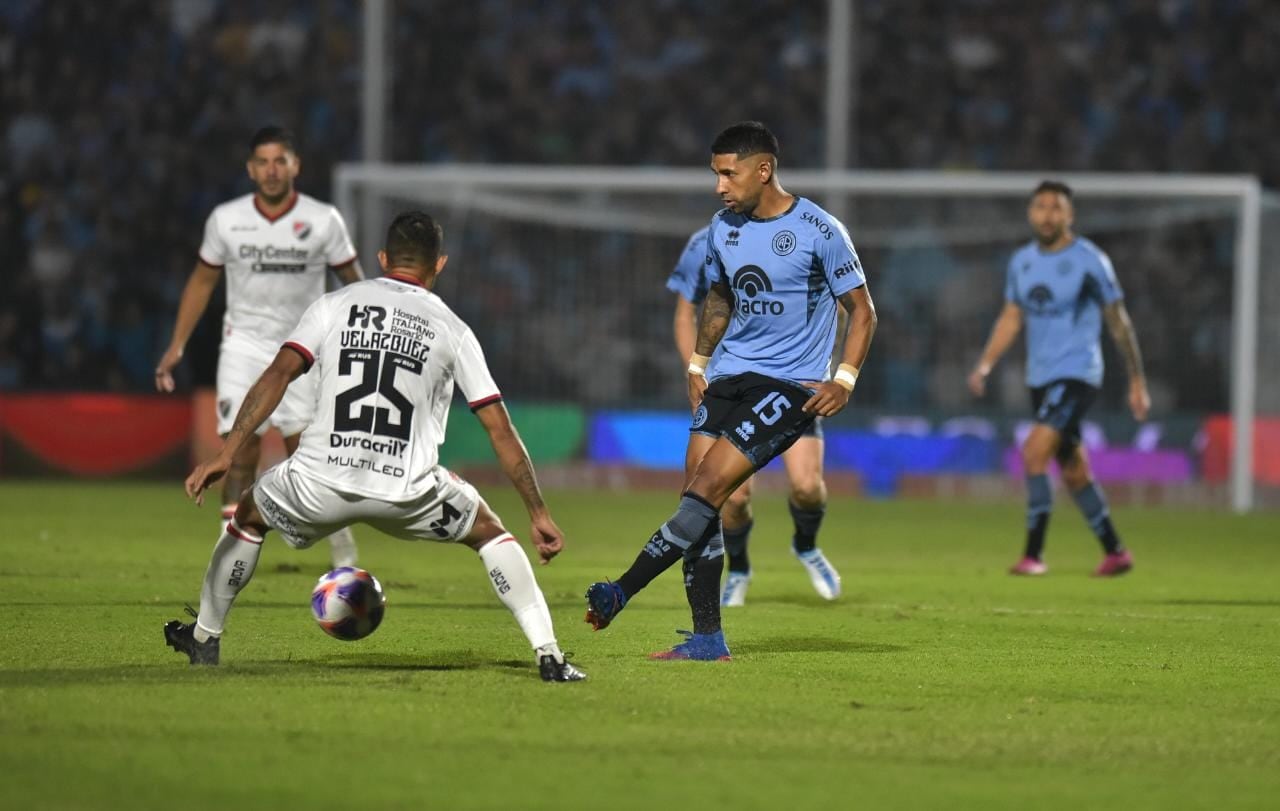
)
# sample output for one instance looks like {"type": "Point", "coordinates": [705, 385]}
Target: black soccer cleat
{"type": "Point", "coordinates": [181, 638]}
{"type": "Point", "coordinates": [551, 670]}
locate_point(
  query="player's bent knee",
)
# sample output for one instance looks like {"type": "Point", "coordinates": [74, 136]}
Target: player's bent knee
{"type": "Point", "coordinates": [248, 517]}
{"type": "Point", "coordinates": [809, 493]}
{"type": "Point", "coordinates": [737, 508]}
{"type": "Point", "coordinates": [487, 526]}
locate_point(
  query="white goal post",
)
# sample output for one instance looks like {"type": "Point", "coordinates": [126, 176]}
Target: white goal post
{"type": "Point", "coordinates": [500, 188]}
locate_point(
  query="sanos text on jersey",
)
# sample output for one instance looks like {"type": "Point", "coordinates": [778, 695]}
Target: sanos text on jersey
{"type": "Point", "coordinates": [271, 259]}
{"type": "Point", "coordinates": [812, 219]}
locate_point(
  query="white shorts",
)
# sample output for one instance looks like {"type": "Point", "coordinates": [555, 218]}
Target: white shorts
{"type": "Point", "coordinates": [304, 509]}
{"type": "Point", "coordinates": [239, 366]}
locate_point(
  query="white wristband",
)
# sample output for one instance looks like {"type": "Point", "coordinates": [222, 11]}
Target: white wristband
{"type": "Point", "coordinates": [846, 377]}
{"type": "Point", "coordinates": [698, 364]}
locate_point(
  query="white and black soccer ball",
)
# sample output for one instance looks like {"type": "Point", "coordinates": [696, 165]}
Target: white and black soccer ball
{"type": "Point", "coordinates": [348, 603]}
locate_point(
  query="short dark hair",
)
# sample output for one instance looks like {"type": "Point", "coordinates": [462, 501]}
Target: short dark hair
{"type": "Point", "coordinates": [1055, 186]}
{"type": "Point", "coordinates": [273, 135]}
{"type": "Point", "coordinates": [414, 238]}
{"type": "Point", "coordinates": [745, 138]}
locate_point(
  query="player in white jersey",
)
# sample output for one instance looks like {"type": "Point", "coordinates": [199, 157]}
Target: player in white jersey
{"type": "Point", "coordinates": [385, 354]}
{"type": "Point", "coordinates": [276, 247]}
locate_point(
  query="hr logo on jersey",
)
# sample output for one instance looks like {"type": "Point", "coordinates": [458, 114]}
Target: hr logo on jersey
{"type": "Point", "coordinates": [752, 281]}
{"type": "Point", "coordinates": [366, 316]}
{"type": "Point", "coordinates": [731, 238]}
{"type": "Point", "coordinates": [746, 430]}
{"type": "Point", "coordinates": [784, 242]}
{"type": "Point", "coordinates": [301, 229]}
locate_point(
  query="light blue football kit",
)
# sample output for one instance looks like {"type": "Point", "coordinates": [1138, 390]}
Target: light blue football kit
{"type": "Point", "coordinates": [1062, 295]}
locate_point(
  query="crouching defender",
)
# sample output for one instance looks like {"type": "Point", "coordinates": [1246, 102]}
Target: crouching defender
{"type": "Point", "coordinates": [387, 352]}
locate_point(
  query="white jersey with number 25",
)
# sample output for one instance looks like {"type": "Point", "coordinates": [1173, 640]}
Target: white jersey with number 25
{"type": "Point", "coordinates": [387, 351]}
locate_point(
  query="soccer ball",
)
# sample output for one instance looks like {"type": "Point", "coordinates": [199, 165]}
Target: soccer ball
{"type": "Point", "coordinates": [348, 603]}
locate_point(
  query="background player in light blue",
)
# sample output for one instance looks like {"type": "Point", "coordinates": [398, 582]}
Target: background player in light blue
{"type": "Point", "coordinates": [777, 264]}
{"type": "Point", "coordinates": [1063, 287]}
{"type": "Point", "coordinates": [803, 460]}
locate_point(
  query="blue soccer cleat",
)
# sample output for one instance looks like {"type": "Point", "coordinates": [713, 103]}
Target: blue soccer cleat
{"type": "Point", "coordinates": [698, 647]}
{"type": "Point", "coordinates": [604, 602]}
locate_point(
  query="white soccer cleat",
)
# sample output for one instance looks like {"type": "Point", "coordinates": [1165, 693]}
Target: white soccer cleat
{"type": "Point", "coordinates": [825, 578]}
{"type": "Point", "coordinates": [735, 590]}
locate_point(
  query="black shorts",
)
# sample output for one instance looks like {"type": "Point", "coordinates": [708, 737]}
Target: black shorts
{"type": "Point", "coordinates": [761, 416]}
{"type": "Point", "coordinates": [1061, 405]}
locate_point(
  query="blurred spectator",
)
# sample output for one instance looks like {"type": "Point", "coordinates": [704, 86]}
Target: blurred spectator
{"type": "Point", "coordinates": [122, 124]}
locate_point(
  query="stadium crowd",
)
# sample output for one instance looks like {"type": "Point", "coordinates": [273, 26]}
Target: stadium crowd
{"type": "Point", "coordinates": [122, 124]}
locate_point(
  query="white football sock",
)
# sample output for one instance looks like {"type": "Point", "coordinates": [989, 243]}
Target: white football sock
{"type": "Point", "coordinates": [235, 556]}
{"type": "Point", "coordinates": [228, 512]}
{"type": "Point", "coordinates": [342, 548]}
{"type": "Point", "coordinates": [512, 578]}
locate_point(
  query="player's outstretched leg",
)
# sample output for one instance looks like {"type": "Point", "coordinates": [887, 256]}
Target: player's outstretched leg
{"type": "Point", "coordinates": [677, 535]}
{"type": "Point", "coordinates": [513, 582]}
{"type": "Point", "coordinates": [342, 548]}
{"type": "Point", "coordinates": [235, 556]}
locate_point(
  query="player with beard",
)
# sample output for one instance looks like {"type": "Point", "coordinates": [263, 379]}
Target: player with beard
{"type": "Point", "coordinates": [779, 267]}
{"type": "Point", "coordinates": [1063, 287]}
{"type": "Point", "coordinates": [276, 246]}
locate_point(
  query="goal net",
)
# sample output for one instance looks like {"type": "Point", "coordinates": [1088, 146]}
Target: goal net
{"type": "Point", "coordinates": [562, 270]}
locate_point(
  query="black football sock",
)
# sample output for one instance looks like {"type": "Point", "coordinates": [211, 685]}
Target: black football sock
{"type": "Point", "coordinates": [702, 582]}
{"type": "Point", "coordinates": [735, 545]}
{"type": "Point", "coordinates": [1094, 508]}
{"type": "Point", "coordinates": [1039, 506]}
{"type": "Point", "coordinates": [671, 541]}
{"type": "Point", "coordinates": [807, 523]}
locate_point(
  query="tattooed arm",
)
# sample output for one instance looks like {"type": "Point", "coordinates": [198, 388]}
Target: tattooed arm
{"type": "Point", "coordinates": [515, 462]}
{"type": "Point", "coordinates": [1122, 332]}
{"type": "Point", "coordinates": [258, 404]}
{"type": "Point", "coordinates": [716, 312]}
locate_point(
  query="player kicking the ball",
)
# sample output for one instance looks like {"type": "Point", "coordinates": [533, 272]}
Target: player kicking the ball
{"type": "Point", "coordinates": [778, 266]}
{"type": "Point", "coordinates": [385, 353]}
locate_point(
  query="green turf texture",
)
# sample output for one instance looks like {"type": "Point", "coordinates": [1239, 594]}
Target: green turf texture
{"type": "Point", "coordinates": [937, 681]}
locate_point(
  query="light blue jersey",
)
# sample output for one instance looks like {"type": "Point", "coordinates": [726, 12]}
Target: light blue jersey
{"type": "Point", "coordinates": [786, 274]}
{"type": "Point", "coordinates": [688, 278]}
{"type": "Point", "coordinates": [1062, 295]}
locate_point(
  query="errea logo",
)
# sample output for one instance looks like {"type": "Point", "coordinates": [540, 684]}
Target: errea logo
{"type": "Point", "coordinates": [731, 238]}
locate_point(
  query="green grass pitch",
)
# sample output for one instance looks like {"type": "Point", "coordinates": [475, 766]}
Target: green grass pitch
{"type": "Point", "coordinates": [937, 681]}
